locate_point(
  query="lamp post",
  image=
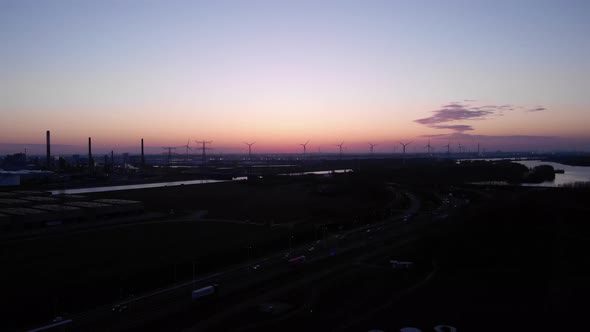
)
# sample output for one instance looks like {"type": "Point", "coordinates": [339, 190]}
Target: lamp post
{"type": "Point", "coordinates": [193, 275]}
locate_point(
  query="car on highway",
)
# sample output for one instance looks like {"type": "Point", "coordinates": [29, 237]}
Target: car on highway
{"type": "Point", "coordinates": [297, 260]}
{"type": "Point", "coordinates": [119, 308]}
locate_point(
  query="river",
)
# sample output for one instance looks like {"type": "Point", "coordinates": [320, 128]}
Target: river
{"type": "Point", "coordinates": [572, 174]}
{"type": "Point", "coordinates": [130, 187]}
{"type": "Point", "coordinates": [77, 191]}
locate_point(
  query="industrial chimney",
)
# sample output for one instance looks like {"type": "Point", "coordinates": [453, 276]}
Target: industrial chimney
{"type": "Point", "coordinates": [90, 161]}
{"type": "Point", "coordinates": [48, 139]}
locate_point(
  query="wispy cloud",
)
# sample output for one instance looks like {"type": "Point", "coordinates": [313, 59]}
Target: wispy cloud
{"type": "Point", "coordinates": [537, 109]}
{"type": "Point", "coordinates": [457, 128]}
{"type": "Point", "coordinates": [463, 136]}
{"type": "Point", "coordinates": [454, 112]}
{"type": "Point", "coordinates": [446, 116]}
{"type": "Point", "coordinates": [507, 142]}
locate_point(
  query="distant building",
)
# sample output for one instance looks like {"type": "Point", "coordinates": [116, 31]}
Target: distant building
{"type": "Point", "coordinates": [15, 162]}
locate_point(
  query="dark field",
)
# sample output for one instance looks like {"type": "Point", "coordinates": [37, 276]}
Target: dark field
{"type": "Point", "coordinates": [487, 259]}
{"type": "Point", "coordinates": [282, 199]}
{"type": "Point", "coordinates": [516, 261]}
{"type": "Point", "coordinates": [64, 273]}
{"type": "Point", "coordinates": [518, 264]}
{"type": "Point", "coordinates": [68, 272]}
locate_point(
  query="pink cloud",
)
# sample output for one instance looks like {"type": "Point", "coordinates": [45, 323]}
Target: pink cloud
{"type": "Point", "coordinates": [445, 117]}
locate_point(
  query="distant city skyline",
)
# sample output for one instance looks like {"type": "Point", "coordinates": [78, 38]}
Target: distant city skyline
{"type": "Point", "coordinates": [512, 75]}
{"type": "Point", "coordinates": [439, 146]}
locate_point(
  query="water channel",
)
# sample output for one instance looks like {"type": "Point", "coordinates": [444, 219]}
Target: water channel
{"type": "Point", "coordinates": [572, 174]}
{"type": "Point", "coordinates": [77, 191]}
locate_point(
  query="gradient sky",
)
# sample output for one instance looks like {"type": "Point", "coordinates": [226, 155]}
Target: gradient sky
{"type": "Point", "coordinates": [509, 74]}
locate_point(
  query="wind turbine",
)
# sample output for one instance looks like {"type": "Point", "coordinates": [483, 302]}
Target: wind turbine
{"type": "Point", "coordinates": [372, 146]}
{"type": "Point", "coordinates": [340, 148]}
{"type": "Point", "coordinates": [404, 148]}
{"type": "Point", "coordinates": [448, 146]}
{"type": "Point", "coordinates": [429, 147]}
{"type": "Point", "coordinates": [249, 149]}
{"type": "Point", "coordinates": [304, 145]}
{"type": "Point", "coordinates": [460, 147]}
{"type": "Point", "coordinates": [404, 145]}
{"type": "Point", "coordinates": [187, 146]}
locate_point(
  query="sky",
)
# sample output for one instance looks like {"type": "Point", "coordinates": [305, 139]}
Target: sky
{"type": "Point", "coordinates": [512, 75]}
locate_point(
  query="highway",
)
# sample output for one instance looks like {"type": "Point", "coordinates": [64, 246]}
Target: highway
{"type": "Point", "coordinates": [236, 282]}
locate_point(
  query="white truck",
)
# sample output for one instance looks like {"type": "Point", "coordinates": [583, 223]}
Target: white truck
{"type": "Point", "coordinates": [204, 291]}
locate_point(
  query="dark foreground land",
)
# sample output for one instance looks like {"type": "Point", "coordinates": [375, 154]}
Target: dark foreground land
{"type": "Point", "coordinates": [484, 258]}
{"type": "Point", "coordinates": [515, 261]}
{"type": "Point", "coordinates": [213, 226]}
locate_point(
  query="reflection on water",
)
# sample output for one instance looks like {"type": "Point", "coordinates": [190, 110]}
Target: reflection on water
{"type": "Point", "coordinates": [168, 184]}
{"type": "Point", "coordinates": [572, 173]}
{"type": "Point", "coordinates": [322, 172]}
{"type": "Point", "coordinates": [131, 186]}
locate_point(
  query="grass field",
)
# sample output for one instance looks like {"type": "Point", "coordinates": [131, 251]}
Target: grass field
{"type": "Point", "coordinates": [518, 264]}
{"type": "Point", "coordinates": [68, 272]}
{"type": "Point", "coordinates": [76, 270]}
{"type": "Point", "coordinates": [280, 200]}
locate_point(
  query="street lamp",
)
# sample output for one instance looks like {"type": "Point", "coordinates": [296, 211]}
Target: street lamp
{"type": "Point", "coordinates": [193, 275]}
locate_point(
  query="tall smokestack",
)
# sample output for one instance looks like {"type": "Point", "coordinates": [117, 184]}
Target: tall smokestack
{"type": "Point", "coordinates": [142, 156]}
{"type": "Point", "coordinates": [48, 139]}
{"type": "Point", "coordinates": [90, 161]}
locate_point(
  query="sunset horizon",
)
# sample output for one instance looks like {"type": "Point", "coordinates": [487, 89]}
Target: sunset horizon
{"type": "Point", "coordinates": [294, 165]}
{"type": "Point", "coordinates": [498, 74]}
